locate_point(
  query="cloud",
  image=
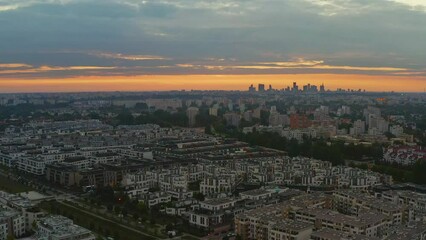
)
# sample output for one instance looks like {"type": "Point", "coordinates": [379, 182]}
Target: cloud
{"type": "Point", "coordinates": [332, 8]}
{"type": "Point", "coordinates": [300, 65]}
{"type": "Point", "coordinates": [70, 68]}
{"type": "Point", "coordinates": [382, 69]}
{"type": "Point", "coordinates": [14, 65]}
{"type": "Point", "coordinates": [13, 68]}
{"type": "Point", "coordinates": [8, 7]}
{"type": "Point", "coordinates": [415, 4]}
{"type": "Point", "coordinates": [131, 37]}
{"type": "Point", "coordinates": [411, 73]}
{"type": "Point", "coordinates": [128, 57]}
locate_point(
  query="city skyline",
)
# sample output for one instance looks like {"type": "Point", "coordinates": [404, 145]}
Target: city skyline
{"type": "Point", "coordinates": [214, 82]}
{"type": "Point", "coordinates": [63, 45]}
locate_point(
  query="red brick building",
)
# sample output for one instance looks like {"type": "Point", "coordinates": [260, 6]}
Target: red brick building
{"type": "Point", "coordinates": [299, 121]}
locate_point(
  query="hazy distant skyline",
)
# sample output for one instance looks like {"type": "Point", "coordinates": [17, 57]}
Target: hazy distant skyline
{"type": "Point", "coordinates": [64, 45]}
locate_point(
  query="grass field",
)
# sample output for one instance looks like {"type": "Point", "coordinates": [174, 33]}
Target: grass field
{"type": "Point", "coordinates": [12, 186]}
{"type": "Point", "coordinates": [188, 238]}
{"type": "Point", "coordinates": [97, 224]}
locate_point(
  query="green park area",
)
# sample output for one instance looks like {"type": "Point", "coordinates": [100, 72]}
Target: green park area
{"type": "Point", "coordinates": [98, 223]}
{"type": "Point", "coordinates": [189, 238]}
{"type": "Point", "coordinates": [9, 185]}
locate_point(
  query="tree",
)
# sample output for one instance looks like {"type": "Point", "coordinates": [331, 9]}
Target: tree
{"type": "Point", "coordinates": [169, 227]}
{"type": "Point", "coordinates": [117, 209]}
{"type": "Point", "coordinates": [419, 172]}
{"type": "Point", "coordinates": [94, 115]}
{"type": "Point", "coordinates": [363, 166]}
{"type": "Point", "coordinates": [125, 118]}
{"type": "Point", "coordinates": [264, 117]}
{"type": "Point", "coordinates": [34, 225]}
{"type": "Point", "coordinates": [110, 207]}
{"type": "Point", "coordinates": [142, 208]}
{"type": "Point", "coordinates": [116, 235]}
{"type": "Point", "coordinates": [293, 148]}
{"type": "Point", "coordinates": [141, 106]}
{"type": "Point", "coordinates": [199, 196]}
{"type": "Point", "coordinates": [124, 212]}
{"type": "Point", "coordinates": [92, 226]}
{"type": "Point", "coordinates": [194, 186]}
{"type": "Point", "coordinates": [106, 194]}
{"type": "Point", "coordinates": [389, 135]}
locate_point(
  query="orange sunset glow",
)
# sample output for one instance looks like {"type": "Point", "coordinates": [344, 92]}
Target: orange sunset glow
{"type": "Point", "coordinates": [212, 82]}
{"type": "Point", "coordinates": [131, 45]}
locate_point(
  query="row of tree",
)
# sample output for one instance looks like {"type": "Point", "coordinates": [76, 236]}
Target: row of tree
{"type": "Point", "coordinates": [335, 152]}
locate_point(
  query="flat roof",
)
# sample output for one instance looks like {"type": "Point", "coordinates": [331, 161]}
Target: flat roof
{"type": "Point", "coordinates": [256, 192]}
{"type": "Point", "coordinates": [330, 234]}
{"type": "Point", "coordinates": [34, 196]}
{"type": "Point", "coordinates": [218, 201]}
{"type": "Point", "coordinates": [292, 225]}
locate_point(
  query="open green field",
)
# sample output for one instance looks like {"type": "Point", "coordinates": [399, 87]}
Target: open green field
{"type": "Point", "coordinates": [11, 186]}
{"type": "Point", "coordinates": [95, 223]}
{"type": "Point", "coordinates": [188, 238]}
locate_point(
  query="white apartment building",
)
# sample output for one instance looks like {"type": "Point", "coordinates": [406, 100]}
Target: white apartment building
{"type": "Point", "coordinates": [215, 185]}
{"type": "Point", "coordinates": [169, 182]}
{"type": "Point", "coordinates": [396, 130]}
{"type": "Point", "coordinates": [358, 128]}
{"type": "Point", "coordinates": [140, 180]}
{"type": "Point", "coordinates": [202, 220]}
{"type": "Point", "coordinates": [256, 194]}
{"type": "Point", "coordinates": [217, 204]}
{"type": "Point", "coordinates": [12, 223]}
{"type": "Point", "coordinates": [135, 153]}
{"type": "Point", "coordinates": [61, 228]}
{"type": "Point", "coordinates": [288, 229]}
{"type": "Point", "coordinates": [106, 157]}
{"type": "Point", "coordinates": [370, 224]}
{"type": "Point", "coordinates": [157, 198]}
{"type": "Point", "coordinates": [36, 166]}
{"type": "Point", "coordinates": [4, 230]}
{"type": "Point", "coordinates": [9, 159]}
{"type": "Point", "coordinates": [268, 223]}
{"type": "Point", "coordinates": [354, 202]}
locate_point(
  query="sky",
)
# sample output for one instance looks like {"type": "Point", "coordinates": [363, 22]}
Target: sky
{"type": "Point", "coordinates": [122, 45]}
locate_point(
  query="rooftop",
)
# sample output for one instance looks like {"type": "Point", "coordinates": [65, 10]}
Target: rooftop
{"type": "Point", "coordinates": [218, 201]}
{"type": "Point", "coordinates": [256, 192]}
{"type": "Point", "coordinates": [330, 234]}
{"type": "Point", "coordinates": [292, 225]}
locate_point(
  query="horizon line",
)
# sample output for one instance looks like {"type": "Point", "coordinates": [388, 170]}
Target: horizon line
{"type": "Point", "coordinates": [212, 90]}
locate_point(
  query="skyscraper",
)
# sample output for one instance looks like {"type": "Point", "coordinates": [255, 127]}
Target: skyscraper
{"type": "Point", "coordinates": [295, 87]}
{"type": "Point", "coordinates": [261, 87]}
{"type": "Point", "coordinates": [252, 88]}
{"type": "Point", "coordinates": [191, 113]}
